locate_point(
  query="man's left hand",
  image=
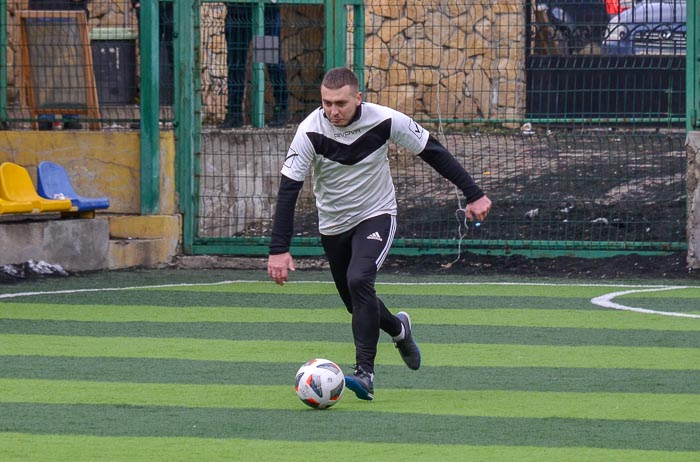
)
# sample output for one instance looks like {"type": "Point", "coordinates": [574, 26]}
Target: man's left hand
{"type": "Point", "coordinates": [478, 209]}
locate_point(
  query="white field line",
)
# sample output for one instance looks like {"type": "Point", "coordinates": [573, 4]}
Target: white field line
{"type": "Point", "coordinates": [193, 284]}
{"type": "Point", "coordinates": [112, 289]}
{"type": "Point", "coordinates": [604, 301]}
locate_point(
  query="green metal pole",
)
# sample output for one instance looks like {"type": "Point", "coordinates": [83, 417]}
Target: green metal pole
{"type": "Point", "coordinates": [328, 9]}
{"type": "Point", "coordinates": [692, 66]}
{"type": "Point", "coordinates": [359, 44]}
{"type": "Point", "coordinates": [3, 62]}
{"type": "Point", "coordinates": [186, 107]}
{"type": "Point", "coordinates": [150, 87]}
{"type": "Point", "coordinates": [340, 31]}
{"type": "Point", "coordinates": [336, 30]}
{"type": "Point", "coordinates": [258, 118]}
{"type": "Point", "coordinates": [194, 171]}
{"type": "Point", "coordinates": [336, 38]}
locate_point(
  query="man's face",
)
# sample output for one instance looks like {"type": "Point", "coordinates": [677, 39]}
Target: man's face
{"type": "Point", "coordinates": [340, 105]}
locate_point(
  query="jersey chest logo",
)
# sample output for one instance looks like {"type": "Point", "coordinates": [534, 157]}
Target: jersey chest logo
{"type": "Point", "coordinates": [358, 150]}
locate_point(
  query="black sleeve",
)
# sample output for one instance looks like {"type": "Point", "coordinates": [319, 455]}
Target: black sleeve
{"type": "Point", "coordinates": [284, 215]}
{"type": "Point", "coordinates": [440, 159]}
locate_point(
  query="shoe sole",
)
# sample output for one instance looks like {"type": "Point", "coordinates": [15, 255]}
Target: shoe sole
{"type": "Point", "coordinates": [357, 388]}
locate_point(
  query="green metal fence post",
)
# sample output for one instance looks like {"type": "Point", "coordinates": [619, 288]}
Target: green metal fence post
{"type": "Point", "coordinates": [328, 32]}
{"type": "Point", "coordinates": [150, 109]}
{"type": "Point", "coordinates": [359, 43]}
{"type": "Point", "coordinates": [336, 36]}
{"type": "Point", "coordinates": [335, 33]}
{"type": "Point", "coordinates": [186, 127]}
{"type": "Point", "coordinates": [692, 66]}
{"type": "Point", "coordinates": [258, 117]}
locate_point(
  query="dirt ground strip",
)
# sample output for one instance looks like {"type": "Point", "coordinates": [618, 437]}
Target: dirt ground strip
{"type": "Point", "coordinates": [622, 267]}
{"type": "Point", "coordinates": [619, 267]}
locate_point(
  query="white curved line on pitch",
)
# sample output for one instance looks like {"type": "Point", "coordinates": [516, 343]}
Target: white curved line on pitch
{"type": "Point", "coordinates": [112, 289]}
{"type": "Point", "coordinates": [646, 287]}
{"type": "Point", "coordinates": [606, 302]}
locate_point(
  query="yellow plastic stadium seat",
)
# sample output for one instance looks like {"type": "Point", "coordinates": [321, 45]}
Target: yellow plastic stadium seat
{"type": "Point", "coordinates": [15, 207]}
{"type": "Point", "coordinates": [16, 186]}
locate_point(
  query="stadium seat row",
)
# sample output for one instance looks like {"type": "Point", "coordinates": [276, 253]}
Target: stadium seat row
{"type": "Point", "coordinates": [54, 192]}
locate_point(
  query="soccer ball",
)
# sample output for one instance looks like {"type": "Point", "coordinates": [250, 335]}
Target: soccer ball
{"type": "Point", "coordinates": [320, 383]}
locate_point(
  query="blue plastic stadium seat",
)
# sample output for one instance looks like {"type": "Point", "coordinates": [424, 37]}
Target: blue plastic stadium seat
{"type": "Point", "coordinates": [53, 182]}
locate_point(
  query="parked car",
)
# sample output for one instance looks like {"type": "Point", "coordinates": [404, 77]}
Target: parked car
{"type": "Point", "coordinates": [649, 28]}
{"type": "Point", "coordinates": [577, 24]}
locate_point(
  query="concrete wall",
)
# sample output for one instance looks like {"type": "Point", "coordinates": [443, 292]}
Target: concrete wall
{"type": "Point", "coordinates": [75, 245]}
{"type": "Point", "coordinates": [242, 188]}
{"type": "Point", "coordinates": [99, 164]}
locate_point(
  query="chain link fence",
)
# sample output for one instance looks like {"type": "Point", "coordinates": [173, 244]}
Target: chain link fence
{"type": "Point", "coordinates": [569, 113]}
{"type": "Point", "coordinates": [569, 138]}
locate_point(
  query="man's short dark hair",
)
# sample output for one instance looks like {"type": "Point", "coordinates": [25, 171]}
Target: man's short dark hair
{"type": "Point", "coordinates": [338, 77]}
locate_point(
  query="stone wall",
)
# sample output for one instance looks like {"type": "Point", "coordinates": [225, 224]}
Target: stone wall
{"type": "Point", "coordinates": [429, 59]}
{"type": "Point", "coordinates": [434, 58]}
{"type": "Point", "coordinates": [452, 60]}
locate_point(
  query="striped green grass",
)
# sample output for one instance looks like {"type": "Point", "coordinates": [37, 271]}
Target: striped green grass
{"type": "Point", "coordinates": [490, 403]}
{"type": "Point", "coordinates": [457, 355]}
{"type": "Point", "coordinates": [186, 449]}
{"type": "Point", "coordinates": [204, 372]}
{"type": "Point", "coordinates": [559, 318]}
{"type": "Point", "coordinates": [546, 379]}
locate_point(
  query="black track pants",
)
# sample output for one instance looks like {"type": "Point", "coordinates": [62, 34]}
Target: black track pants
{"type": "Point", "coordinates": [355, 256]}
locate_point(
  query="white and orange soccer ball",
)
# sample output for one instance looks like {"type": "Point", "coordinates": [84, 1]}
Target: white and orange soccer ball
{"type": "Point", "coordinates": [320, 383]}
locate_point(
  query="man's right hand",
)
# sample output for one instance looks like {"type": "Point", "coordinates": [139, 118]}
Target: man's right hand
{"type": "Point", "coordinates": [277, 266]}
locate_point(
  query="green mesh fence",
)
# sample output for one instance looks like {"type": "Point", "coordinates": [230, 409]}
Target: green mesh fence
{"type": "Point", "coordinates": [76, 64]}
{"type": "Point", "coordinates": [260, 65]}
{"type": "Point", "coordinates": [559, 191]}
{"type": "Point", "coordinates": [569, 113]}
{"type": "Point", "coordinates": [578, 140]}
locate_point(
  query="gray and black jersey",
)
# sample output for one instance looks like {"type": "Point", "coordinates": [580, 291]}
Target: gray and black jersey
{"type": "Point", "coordinates": [350, 165]}
{"type": "Point", "coordinates": [350, 168]}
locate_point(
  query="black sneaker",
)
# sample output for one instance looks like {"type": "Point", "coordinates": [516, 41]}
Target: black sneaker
{"type": "Point", "coordinates": [361, 383]}
{"type": "Point", "coordinates": [45, 125]}
{"type": "Point", "coordinates": [279, 119]}
{"type": "Point", "coordinates": [410, 353]}
{"type": "Point", "coordinates": [232, 120]}
{"type": "Point", "coordinates": [72, 125]}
